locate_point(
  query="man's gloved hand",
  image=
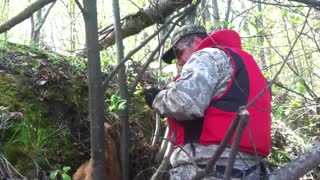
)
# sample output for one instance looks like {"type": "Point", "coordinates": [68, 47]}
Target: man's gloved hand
{"type": "Point", "coordinates": [149, 95]}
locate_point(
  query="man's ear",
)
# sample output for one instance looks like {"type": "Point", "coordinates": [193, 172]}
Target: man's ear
{"type": "Point", "coordinates": [197, 40]}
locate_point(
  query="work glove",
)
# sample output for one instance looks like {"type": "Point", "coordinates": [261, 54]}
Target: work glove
{"type": "Point", "coordinates": [149, 95]}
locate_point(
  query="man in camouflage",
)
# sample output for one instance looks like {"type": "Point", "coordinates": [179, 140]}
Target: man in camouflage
{"type": "Point", "coordinates": [200, 100]}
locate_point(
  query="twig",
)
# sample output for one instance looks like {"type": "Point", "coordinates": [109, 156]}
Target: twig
{"type": "Point", "coordinates": [164, 166]}
{"type": "Point", "coordinates": [244, 116]}
{"type": "Point", "coordinates": [282, 66]}
{"type": "Point", "coordinates": [156, 131]}
{"type": "Point", "coordinates": [150, 59]}
{"type": "Point", "coordinates": [158, 118]}
{"type": "Point", "coordinates": [7, 170]}
{"type": "Point", "coordinates": [290, 90]}
{"type": "Point", "coordinates": [41, 23]}
{"type": "Point", "coordinates": [278, 4]}
{"type": "Point", "coordinates": [163, 146]}
{"type": "Point", "coordinates": [80, 7]}
{"type": "Point", "coordinates": [165, 163]}
{"type": "Point", "coordinates": [223, 144]}
{"type": "Point", "coordinates": [131, 53]}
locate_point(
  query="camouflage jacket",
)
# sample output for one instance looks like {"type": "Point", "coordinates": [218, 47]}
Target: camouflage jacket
{"type": "Point", "coordinates": [205, 76]}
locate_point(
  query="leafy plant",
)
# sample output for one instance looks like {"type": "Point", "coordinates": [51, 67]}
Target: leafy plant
{"type": "Point", "coordinates": [35, 142]}
{"type": "Point", "coordinates": [62, 172]}
{"type": "Point", "coordinates": [107, 60]}
{"type": "Point", "coordinates": [3, 44]}
{"type": "Point", "coordinates": [116, 103]}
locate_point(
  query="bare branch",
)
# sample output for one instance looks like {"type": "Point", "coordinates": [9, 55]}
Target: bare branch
{"type": "Point", "coordinates": [278, 4]}
{"type": "Point", "coordinates": [7, 170]}
{"type": "Point", "coordinates": [186, 12]}
{"type": "Point", "coordinates": [279, 84]}
{"type": "Point", "coordinates": [282, 66]}
{"type": "Point", "coordinates": [126, 58]}
{"type": "Point", "coordinates": [25, 14]}
{"type": "Point", "coordinates": [164, 166]}
{"type": "Point", "coordinates": [155, 12]}
{"type": "Point", "coordinates": [80, 6]}
{"type": "Point", "coordinates": [312, 3]}
{"type": "Point", "coordinates": [244, 116]}
{"type": "Point", "coordinates": [227, 13]}
{"type": "Point", "coordinates": [165, 163]}
{"type": "Point", "coordinates": [43, 20]}
{"type": "Point", "coordinates": [299, 167]}
{"type": "Point", "coordinates": [223, 144]}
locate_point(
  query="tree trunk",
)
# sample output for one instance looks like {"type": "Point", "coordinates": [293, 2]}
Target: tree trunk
{"type": "Point", "coordinates": [123, 114]}
{"type": "Point", "coordinates": [40, 20]}
{"type": "Point", "coordinates": [35, 37]}
{"type": "Point", "coordinates": [259, 25]}
{"type": "Point", "coordinates": [5, 15]}
{"type": "Point", "coordinates": [225, 26]}
{"type": "Point", "coordinates": [204, 11]}
{"type": "Point", "coordinates": [215, 12]}
{"type": "Point", "coordinates": [72, 26]}
{"type": "Point", "coordinates": [96, 93]}
{"type": "Point", "coordinates": [25, 14]}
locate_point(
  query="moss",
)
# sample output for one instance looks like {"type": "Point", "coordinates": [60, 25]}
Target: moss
{"type": "Point", "coordinates": [33, 140]}
{"type": "Point", "coordinates": [45, 107]}
{"type": "Point", "coordinates": [8, 93]}
{"type": "Point", "coordinates": [78, 94]}
{"type": "Point", "coordinates": [54, 96]}
{"type": "Point", "coordinates": [18, 157]}
{"type": "Point", "coordinates": [25, 93]}
{"type": "Point", "coordinates": [13, 153]}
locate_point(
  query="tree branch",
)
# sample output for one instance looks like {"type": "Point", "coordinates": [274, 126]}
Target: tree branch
{"type": "Point", "coordinates": [299, 167]}
{"type": "Point", "coordinates": [227, 13]}
{"type": "Point", "coordinates": [7, 170]}
{"type": "Point", "coordinates": [25, 14]}
{"type": "Point", "coordinates": [282, 66]}
{"type": "Point", "coordinates": [43, 20]}
{"type": "Point", "coordinates": [312, 3]}
{"type": "Point", "coordinates": [277, 4]}
{"type": "Point", "coordinates": [184, 13]}
{"type": "Point", "coordinates": [126, 58]}
{"type": "Point", "coordinates": [80, 7]}
{"type": "Point", "coordinates": [165, 163]}
{"type": "Point", "coordinates": [223, 144]}
{"type": "Point", "coordinates": [244, 116]}
{"type": "Point", "coordinates": [155, 12]}
{"type": "Point", "coordinates": [279, 84]}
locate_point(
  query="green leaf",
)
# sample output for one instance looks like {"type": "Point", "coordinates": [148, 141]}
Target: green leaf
{"type": "Point", "coordinates": [117, 103]}
{"type": "Point", "coordinates": [66, 177]}
{"type": "Point", "coordinates": [122, 105]}
{"type": "Point", "coordinates": [114, 98]}
{"type": "Point", "coordinates": [66, 168]}
{"type": "Point", "coordinates": [54, 174]}
{"type": "Point", "coordinates": [111, 108]}
{"type": "Point", "coordinates": [301, 86]}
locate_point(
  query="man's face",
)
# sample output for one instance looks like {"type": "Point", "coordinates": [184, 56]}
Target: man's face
{"type": "Point", "coordinates": [184, 48]}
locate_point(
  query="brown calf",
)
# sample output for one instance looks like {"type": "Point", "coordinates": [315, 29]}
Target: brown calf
{"type": "Point", "coordinates": [84, 172]}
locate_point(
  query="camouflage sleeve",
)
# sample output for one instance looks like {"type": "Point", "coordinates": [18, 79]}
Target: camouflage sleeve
{"type": "Point", "coordinates": [204, 76]}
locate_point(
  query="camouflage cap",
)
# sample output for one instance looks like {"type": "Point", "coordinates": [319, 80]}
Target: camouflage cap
{"type": "Point", "coordinates": [177, 35]}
